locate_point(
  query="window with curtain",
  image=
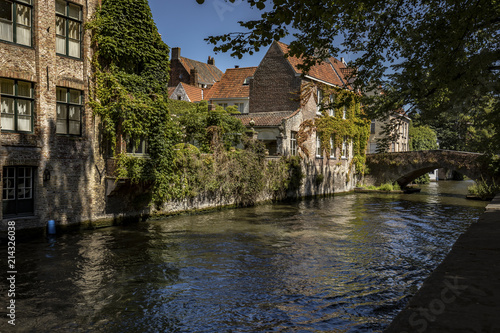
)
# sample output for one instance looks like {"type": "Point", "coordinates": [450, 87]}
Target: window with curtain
{"type": "Point", "coordinates": [332, 147]}
{"type": "Point", "coordinates": [136, 146]}
{"type": "Point", "coordinates": [319, 152]}
{"type": "Point", "coordinates": [319, 102]}
{"type": "Point", "coordinates": [16, 104]}
{"type": "Point", "coordinates": [68, 29]}
{"type": "Point", "coordinates": [345, 147]}
{"type": "Point", "coordinates": [15, 21]}
{"type": "Point", "coordinates": [69, 111]}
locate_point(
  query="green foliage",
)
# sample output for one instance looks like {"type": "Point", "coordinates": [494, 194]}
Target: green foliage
{"type": "Point", "coordinates": [422, 138]}
{"type": "Point", "coordinates": [484, 190]}
{"type": "Point", "coordinates": [209, 128]}
{"type": "Point", "coordinates": [436, 58]}
{"type": "Point", "coordinates": [387, 187]}
{"type": "Point", "coordinates": [239, 175]}
{"type": "Point", "coordinates": [131, 71]}
{"type": "Point", "coordinates": [355, 126]}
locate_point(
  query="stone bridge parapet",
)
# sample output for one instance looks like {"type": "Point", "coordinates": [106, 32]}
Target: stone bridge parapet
{"type": "Point", "coordinates": [404, 167]}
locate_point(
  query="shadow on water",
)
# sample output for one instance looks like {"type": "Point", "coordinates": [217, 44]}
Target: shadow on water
{"type": "Point", "coordinates": [347, 263]}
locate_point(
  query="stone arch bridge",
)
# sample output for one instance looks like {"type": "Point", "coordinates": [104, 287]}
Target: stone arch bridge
{"type": "Point", "coordinates": [404, 167]}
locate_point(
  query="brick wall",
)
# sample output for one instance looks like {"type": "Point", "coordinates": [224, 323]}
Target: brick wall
{"type": "Point", "coordinates": [274, 86]}
{"type": "Point", "coordinates": [71, 195]}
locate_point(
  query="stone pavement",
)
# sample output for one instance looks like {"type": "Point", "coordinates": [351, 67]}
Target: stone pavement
{"type": "Point", "coordinates": [463, 293]}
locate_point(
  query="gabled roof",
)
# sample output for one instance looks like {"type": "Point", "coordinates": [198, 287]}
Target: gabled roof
{"type": "Point", "coordinates": [207, 74]}
{"type": "Point", "coordinates": [331, 70]}
{"type": "Point", "coordinates": [232, 84]}
{"type": "Point", "coordinates": [194, 94]}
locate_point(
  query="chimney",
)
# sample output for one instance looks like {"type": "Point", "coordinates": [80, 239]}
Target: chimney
{"type": "Point", "coordinates": [236, 66]}
{"type": "Point", "coordinates": [194, 77]}
{"type": "Point", "coordinates": [210, 61]}
{"type": "Point", "coordinates": [343, 61]}
{"type": "Point", "coordinates": [176, 53]}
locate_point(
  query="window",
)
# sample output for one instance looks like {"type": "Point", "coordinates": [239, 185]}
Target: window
{"type": "Point", "coordinates": [15, 21]}
{"type": "Point", "coordinates": [332, 147]}
{"type": "Point", "coordinates": [373, 148]}
{"type": "Point", "coordinates": [224, 105]}
{"type": "Point", "coordinates": [68, 28]}
{"type": "Point", "coordinates": [331, 109]}
{"type": "Point", "coordinates": [344, 147]}
{"type": "Point", "coordinates": [319, 101]}
{"type": "Point", "coordinates": [69, 111]}
{"type": "Point", "coordinates": [293, 143]}
{"type": "Point", "coordinates": [241, 107]}
{"type": "Point", "coordinates": [17, 190]}
{"type": "Point", "coordinates": [137, 147]}
{"type": "Point", "coordinates": [16, 100]}
{"type": "Point", "coordinates": [372, 127]}
{"type": "Point", "coordinates": [319, 153]}
{"type": "Point", "coordinates": [344, 112]}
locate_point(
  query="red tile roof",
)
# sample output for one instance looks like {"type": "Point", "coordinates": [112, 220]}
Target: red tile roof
{"type": "Point", "coordinates": [231, 84]}
{"type": "Point", "coordinates": [195, 94]}
{"type": "Point", "coordinates": [207, 74]}
{"type": "Point", "coordinates": [265, 119]}
{"type": "Point", "coordinates": [331, 70]}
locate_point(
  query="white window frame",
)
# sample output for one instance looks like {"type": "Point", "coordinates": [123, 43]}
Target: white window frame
{"type": "Point", "coordinates": [332, 148]}
{"type": "Point", "coordinates": [319, 152]}
{"type": "Point", "coordinates": [345, 147]}
{"type": "Point", "coordinates": [331, 109]}
{"type": "Point", "coordinates": [319, 102]}
{"type": "Point", "coordinates": [293, 143]}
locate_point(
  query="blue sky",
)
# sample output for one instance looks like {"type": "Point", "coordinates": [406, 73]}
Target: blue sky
{"type": "Point", "coordinates": [185, 24]}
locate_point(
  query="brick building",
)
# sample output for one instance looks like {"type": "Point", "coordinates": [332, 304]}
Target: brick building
{"type": "Point", "coordinates": [192, 72]}
{"type": "Point", "coordinates": [48, 148]}
{"type": "Point", "coordinates": [277, 107]}
{"type": "Point", "coordinates": [233, 89]}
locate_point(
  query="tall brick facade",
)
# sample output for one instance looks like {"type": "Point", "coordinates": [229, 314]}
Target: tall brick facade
{"type": "Point", "coordinates": [48, 175]}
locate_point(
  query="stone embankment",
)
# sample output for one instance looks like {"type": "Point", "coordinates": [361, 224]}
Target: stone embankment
{"type": "Point", "coordinates": [463, 293]}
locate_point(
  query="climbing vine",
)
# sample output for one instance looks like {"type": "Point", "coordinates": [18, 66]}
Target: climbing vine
{"type": "Point", "coordinates": [348, 121]}
{"type": "Point", "coordinates": [129, 91]}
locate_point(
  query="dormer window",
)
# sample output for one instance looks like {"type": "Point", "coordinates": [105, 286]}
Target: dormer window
{"type": "Point", "coordinates": [246, 82]}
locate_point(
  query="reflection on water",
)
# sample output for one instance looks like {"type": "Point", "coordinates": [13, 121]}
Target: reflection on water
{"type": "Point", "coordinates": [343, 264]}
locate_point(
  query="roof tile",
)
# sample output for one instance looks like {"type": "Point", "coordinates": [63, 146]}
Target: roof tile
{"type": "Point", "coordinates": [231, 84]}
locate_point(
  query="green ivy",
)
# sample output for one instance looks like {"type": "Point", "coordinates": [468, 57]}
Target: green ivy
{"type": "Point", "coordinates": [129, 92]}
{"type": "Point", "coordinates": [355, 126]}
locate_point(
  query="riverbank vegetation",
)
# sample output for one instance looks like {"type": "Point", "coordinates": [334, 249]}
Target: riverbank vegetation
{"type": "Point", "coordinates": [484, 190]}
{"type": "Point", "coordinates": [190, 148]}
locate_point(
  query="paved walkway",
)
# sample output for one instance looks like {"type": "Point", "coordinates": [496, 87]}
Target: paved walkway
{"type": "Point", "coordinates": [463, 293]}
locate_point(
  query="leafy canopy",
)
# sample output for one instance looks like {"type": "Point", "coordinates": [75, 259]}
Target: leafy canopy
{"type": "Point", "coordinates": [431, 57]}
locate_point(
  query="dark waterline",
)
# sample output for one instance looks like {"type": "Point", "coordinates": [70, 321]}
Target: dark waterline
{"type": "Point", "coordinates": [347, 263]}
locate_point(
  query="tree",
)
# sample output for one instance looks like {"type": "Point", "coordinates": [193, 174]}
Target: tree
{"type": "Point", "coordinates": [430, 57]}
{"type": "Point", "coordinates": [422, 138]}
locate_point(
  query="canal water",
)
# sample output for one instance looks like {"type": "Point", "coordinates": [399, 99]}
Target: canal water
{"type": "Point", "coordinates": [346, 263]}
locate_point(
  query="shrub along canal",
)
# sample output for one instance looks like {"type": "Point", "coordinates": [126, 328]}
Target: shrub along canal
{"type": "Point", "coordinates": [347, 263]}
